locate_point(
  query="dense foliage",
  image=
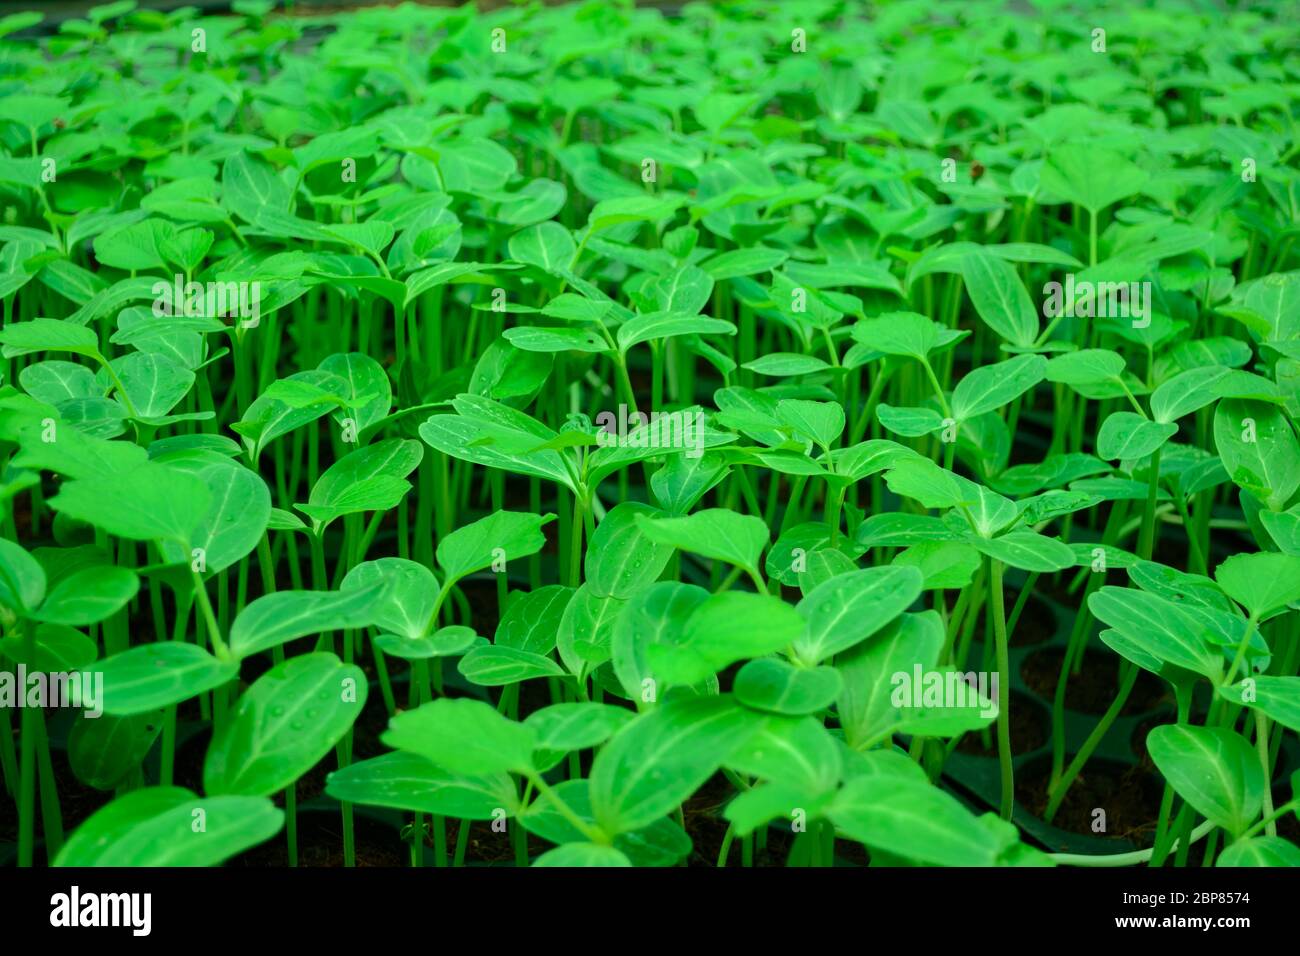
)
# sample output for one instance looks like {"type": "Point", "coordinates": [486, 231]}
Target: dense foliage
{"type": "Point", "coordinates": [648, 438]}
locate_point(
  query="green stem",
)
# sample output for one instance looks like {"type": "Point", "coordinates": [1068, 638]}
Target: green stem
{"type": "Point", "coordinates": [51, 813]}
{"type": "Point", "coordinates": [1147, 539]}
{"type": "Point", "coordinates": [1164, 833]}
{"type": "Point", "coordinates": [1120, 859]}
{"type": "Point", "coordinates": [1004, 689]}
{"type": "Point", "coordinates": [27, 787]}
{"type": "Point", "coordinates": [1261, 746]}
{"type": "Point", "coordinates": [1193, 539]}
{"type": "Point", "coordinates": [462, 842]}
{"type": "Point", "coordinates": [1128, 677]}
{"type": "Point", "coordinates": [1271, 818]}
{"type": "Point", "coordinates": [575, 542]}
{"type": "Point", "coordinates": [725, 850]}
{"type": "Point", "coordinates": [563, 809]}
{"type": "Point", "coordinates": [210, 619]}
{"type": "Point", "coordinates": [1092, 238]}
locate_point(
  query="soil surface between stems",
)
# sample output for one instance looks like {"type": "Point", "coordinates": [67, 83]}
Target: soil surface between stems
{"type": "Point", "coordinates": [1030, 729]}
{"type": "Point", "coordinates": [1093, 689]}
{"type": "Point", "coordinates": [1128, 795]}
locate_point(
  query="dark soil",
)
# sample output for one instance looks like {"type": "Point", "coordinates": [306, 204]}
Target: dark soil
{"type": "Point", "coordinates": [1037, 622]}
{"type": "Point", "coordinates": [707, 828]}
{"type": "Point", "coordinates": [1029, 730]}
{"type": "Point", "coordinates": [1288, 826]}
{"type": "Point", "coordinates": [1094, 688]}
{"type": "Point", "coordinates": [1129, 795]}
{"type": "Point", "coordinates": [1139, 741]}
{"type": "Point", "coordinates": [320, 843]}
{"type": "Point", "coordinates": [1057, 587]}
{"type": "Point", "coordinates": [481, 593]}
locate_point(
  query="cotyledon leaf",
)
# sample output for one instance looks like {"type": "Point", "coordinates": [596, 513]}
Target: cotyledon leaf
{"type": "Point", "coordinates": [284, 724]}
{"type": "Point", "coordinates": [407, 781]}
{"type": "Point", "coordinates": [155, 826]}
{"type": "Point", "coordinates": [276, 618]}
{"type": "Point", "coordinates": [155, 675]}
{"type": "Point", "coordinates": [850, 607]}
{"type": "Point", "coordinates": [656, 761]}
